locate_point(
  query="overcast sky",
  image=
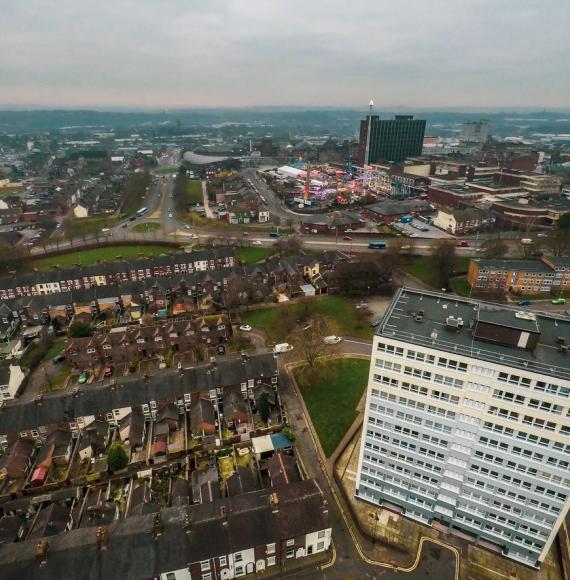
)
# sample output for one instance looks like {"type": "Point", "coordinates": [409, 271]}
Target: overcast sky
{"type": "Point", "coordinates": [197, 53]}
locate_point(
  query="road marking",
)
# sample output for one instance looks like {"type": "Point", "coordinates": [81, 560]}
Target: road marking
{"type": "Point", "coordinates": [357, 341]}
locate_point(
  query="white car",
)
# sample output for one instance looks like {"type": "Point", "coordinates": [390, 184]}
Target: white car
{"type": "Point", "coordinates": [282, 347]}
{"type": "Point", "coordinates": [245, 328]}
{"type": "Point", "coordinates": [332, 339]}
{"type": "Point", "coordinates": [105, 230]}
{"type": "Point", "coordinates": [186, 227]}
{"type": "Point", "coordinates": [256, 243]}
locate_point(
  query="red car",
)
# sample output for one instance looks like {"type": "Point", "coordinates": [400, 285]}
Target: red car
{"type": "Point", "coordinates": [463, 244]}
{"type": "Point", "coordinates": [108, 371]}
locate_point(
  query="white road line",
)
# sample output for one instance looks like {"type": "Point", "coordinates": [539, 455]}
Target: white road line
{"type": "Point", "coordinates": [357, 342]}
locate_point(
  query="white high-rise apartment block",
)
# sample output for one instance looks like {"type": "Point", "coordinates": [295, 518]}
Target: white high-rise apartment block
{"type": "Point", "coordinates": [467, 420]}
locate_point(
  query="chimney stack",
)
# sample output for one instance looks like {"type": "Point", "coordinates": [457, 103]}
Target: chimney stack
{"type": "Point", "coordinates": [156, 526]}
{"type": "Point", "coordinates": [42, 549]}
{"type": "Point", "coordinates": [102, 537]}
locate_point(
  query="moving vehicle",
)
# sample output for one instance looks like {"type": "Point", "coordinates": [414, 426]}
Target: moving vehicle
{"type": "Point", "coordinates": [256, 243]}
{"type": "Point", "coordinates": [245, 328]}
{"type": "Point", "coordinates": [108, 371]}
{"type": "Point", "coordinates": [105, 230]}
{"type": "Point", "coordinates": [83, 377]}
{"type": "Point", "coordinates": [462, 244]}
{"type": "Point", "coordinates": [347, 238]}
{"type": "Point", "coordinates": [523, 302]}
{"type": "Point", "coordinates": [559, 301]}
{"type": "Point", "coordinates": [376, 245]}
{"type": "Point", "coordinates": [186, 227]}
{"type": "Point", "coordinates": [274, 234]}
{"type": "Point", "coordinates": [282, 347]}
{"type": "Point", "coordinates": [332, 339]}
{"type": "Point", "coordinates": [142, 211]}
{"type": "Point", "coordinates": [526, 241]}
{"type": "Point", "coordinates": [58, 359]}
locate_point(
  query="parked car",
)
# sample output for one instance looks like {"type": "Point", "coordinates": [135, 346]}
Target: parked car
{"type": "Point", "coordinates": [186, 227]}
{"type": "Point", "coordinates": [256, 243]}
{"type": "Point", "coordinates": [559, 301]}
{"type": "Point", "coordinates": [245, 328]}
{"type": "Point", "coordinates": [108, 371]}
{"type": "Point", "coordinates": [332, 339]}
{"type": "Point", "coordinates": [83, 377]}
{"type": "Point", "coordinates": [523, 302]}
{"type": "Point", "coordinates": [463, 244]}
{"type": "Point", "coordinates": [58, 359]}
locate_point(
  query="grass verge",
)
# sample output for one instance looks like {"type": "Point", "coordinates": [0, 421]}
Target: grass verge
{"type": "Point", "coordinates": [194, 193]}
{"type": "Point", "coordinates": [422, 269]}
{"type": "Point", "coordinates": [252, 255]}
{"type": "Point", "coordinates": [147, 227]}
{"type": "Point", "coordinates": [278, 322]}
{"type": "Point", "coordinates": [104, 254]}
{"type": "Point", "coordinates": [331, 396]}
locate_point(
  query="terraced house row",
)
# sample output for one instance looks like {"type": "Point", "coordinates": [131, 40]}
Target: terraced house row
{"type": "Point", "coordinates": [58, 280]}
{"type": "Point", "coordinates": [175, 294]}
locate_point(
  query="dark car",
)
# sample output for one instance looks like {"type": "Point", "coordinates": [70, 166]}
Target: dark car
{"type": "Point", "coordinates": [132, 219]}
{"type": "Point", "coordinates": [58, 359]}
{"type": "Point", "coordinates": [523, 302]}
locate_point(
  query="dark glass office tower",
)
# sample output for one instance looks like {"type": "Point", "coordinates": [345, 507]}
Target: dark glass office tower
{"type": "Point", "coordinates": [391, 139]}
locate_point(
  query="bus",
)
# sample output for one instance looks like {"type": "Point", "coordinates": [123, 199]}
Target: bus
{"type": "Point", "coordinates": [376, 245]}
{"type": "Point", "coordinates": [142, 211]}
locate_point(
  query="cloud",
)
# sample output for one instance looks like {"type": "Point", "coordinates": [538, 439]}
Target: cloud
{"type": "Point", "coordinates": [258, 52]}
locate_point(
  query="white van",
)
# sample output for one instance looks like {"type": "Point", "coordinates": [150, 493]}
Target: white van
{"type": "Point", "coordinates": [282, 347]}
{"type": "Point", "coordinates": [526, 241]}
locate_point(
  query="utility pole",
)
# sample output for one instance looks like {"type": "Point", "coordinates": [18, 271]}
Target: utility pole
{"type": "Point", "coordinates": [367, 150]}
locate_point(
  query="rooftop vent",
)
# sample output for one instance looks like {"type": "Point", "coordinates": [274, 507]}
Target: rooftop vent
{"type": "Point", "coordinates": [433, 335]}
{"type": "Point", "coordinates": [419, 317]}
{"type": "Point", "coordinates": [454, 323]}
{"type": "Point", "coordinates": [521, 315]}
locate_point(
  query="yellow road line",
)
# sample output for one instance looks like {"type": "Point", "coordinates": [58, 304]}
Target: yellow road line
{"type": "Point", "coordinates": [491, 570]}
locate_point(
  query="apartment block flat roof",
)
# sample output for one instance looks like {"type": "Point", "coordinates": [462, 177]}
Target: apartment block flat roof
{"type": "Point", "coordinates": [496, 333]}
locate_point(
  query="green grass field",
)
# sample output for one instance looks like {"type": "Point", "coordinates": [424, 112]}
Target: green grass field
{"type": "Point", "coordinates": [279, 321]}
{"type": "Point", "coordinates": [55, 349]}
{"type": "Point", "coordinates": [194, 193]}
{"type": "Point", "coordinates": [252, 255]}
{"type": "Point", "coordinates": [104, 254]}
{"type": "Point", "coordinates": [147, 227]}
{"type": "Point", "coordinates": [85, 226]}
{"type": "Point", "coordinates": [422, 269]}
{"type": "Point", "coordinates": [332, 397]}
{"type": "Point", "coordinates": [460, 286]}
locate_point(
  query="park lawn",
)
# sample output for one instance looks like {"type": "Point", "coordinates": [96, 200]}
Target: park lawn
{"type": "Point", "coordinates": [59, 380]}
{"type": "Point", "coordinates": [86, 226]}
{"type": "Point", "coordinates": [254, 254]}
{"type": "Point", "coordinates": [194, 193]}
{"type": "Point", "coordinates": [55, 349]}
{"type": "Point", "coordinates": [147, 227]}
{"type": "Point", "coordinates": [277, 322]}
{"type": "Point", "coordinates": [331, 397]}
{"type": "Point", "coordinates": [103, 254]}
{"type": "Point", "coordinates": [460, 286]}
{"type": "Point", "coordinates": [421, 268]}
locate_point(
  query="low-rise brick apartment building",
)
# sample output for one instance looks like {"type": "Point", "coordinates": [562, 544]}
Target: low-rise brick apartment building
{"type": "Point", "coordinates": [548, 274]}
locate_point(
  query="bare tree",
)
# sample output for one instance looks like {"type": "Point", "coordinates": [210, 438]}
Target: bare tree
{"type": "Point", "coordinates": [308, 339]}
{"type": "Point", "coordinates": [495, 248]}
{"type": "Point", "coordinates": [443, 260]}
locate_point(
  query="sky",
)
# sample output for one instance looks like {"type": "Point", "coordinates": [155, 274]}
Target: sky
{"type": "Point", "coordinates": [242, 53]}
